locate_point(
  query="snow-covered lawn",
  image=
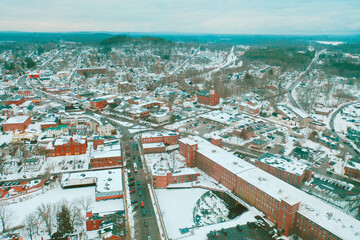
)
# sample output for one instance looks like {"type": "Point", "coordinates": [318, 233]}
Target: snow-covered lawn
{"type": "Point", "coordinates": [22, 209]}
{"type": "Point", "coordinates": [177, 206]}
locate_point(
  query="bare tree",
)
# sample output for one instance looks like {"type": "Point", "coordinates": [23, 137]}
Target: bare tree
{"type": "Point", "coordinates": [32, 222]}
{"type": "Point", "coordinates": [46, 213]}
{"type": "Point", "coordinates": [85, 203]}
{"type": "Point", "coordinates": [6, 216]}
{"type": "Point", "coordinates": [76, 218]}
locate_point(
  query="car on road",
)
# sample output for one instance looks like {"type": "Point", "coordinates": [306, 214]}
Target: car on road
{"type": "Point", "coordinates": [131, 178]}
{"type": "Point", "coordinates": [146, 223]}
{"type": "Point", "coordinates": [133, 201]}
{"type": "Point", "coordinates": [132, 191]}
{"type": "Point", "coordinates": [131, 184]}
{"type": "Point", "coordinates": [149, 238]}
{"type": "Point", "coordinates": [138, 182]}
{"type": "Point", "coordinates": [140, 193]}
{"type": "Point", "coordinates": [143, 212]}
{"type": "Point", "coordinates": [142, 204]}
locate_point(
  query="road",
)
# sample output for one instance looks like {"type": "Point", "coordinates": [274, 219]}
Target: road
{"type": "Point", "coordinates": [332, 127]}
{"type": "Point", "coordinates": [300, 78]}
{"type": "Point", "coordinates": [142, 231]}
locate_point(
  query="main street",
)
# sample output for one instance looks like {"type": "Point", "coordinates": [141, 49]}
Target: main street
{"type": "Point", "coordinates": [141, 231]}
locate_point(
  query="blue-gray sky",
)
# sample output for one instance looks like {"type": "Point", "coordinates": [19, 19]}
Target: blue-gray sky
{"type": "Point", "coordinates": [183, 16]}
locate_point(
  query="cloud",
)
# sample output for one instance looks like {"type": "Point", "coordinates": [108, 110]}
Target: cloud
{"type": "Point", "coordinates": [192, 16]}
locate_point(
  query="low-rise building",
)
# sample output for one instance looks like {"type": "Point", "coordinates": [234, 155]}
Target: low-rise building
{"type": "Point", "coordinates": [166, 137]}
{"type": "Point", "coordinates": [287, 169]}
{"type": "Point", "coordinates": [98, 103]}
{"type": "Point", "coordinates": [107, 154]}
{"type": "Point", "coordinates": [17, 100]}
{"type": "Point", "coordinates": [153, 147]}
{"type": "Point", "coordinates": [17, 123]}
{"type": "Point", "coordinates": [352, 169]}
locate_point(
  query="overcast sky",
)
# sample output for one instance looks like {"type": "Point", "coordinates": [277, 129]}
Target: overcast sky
{"type": "Point", "coordinates": [183, 16]}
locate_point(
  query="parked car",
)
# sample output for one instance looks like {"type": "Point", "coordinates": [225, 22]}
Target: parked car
{"type": "Point", "coordinates": [146, 223]}
{"type": "Point", "coordinates": [142, 204]}
{"type": "Point", "coordinates": [133, 201]}
{"type": "Point", "coordinates": [143, 212]}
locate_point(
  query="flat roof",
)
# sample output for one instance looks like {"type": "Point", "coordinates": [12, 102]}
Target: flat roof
{"type": "Point", "coordinates": [17, 119]}
{"type": "Point", "coordinates": [286, 164]}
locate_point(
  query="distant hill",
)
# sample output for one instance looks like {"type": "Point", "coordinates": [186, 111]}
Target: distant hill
{"type": "Point", "coordinates": [124, 39]}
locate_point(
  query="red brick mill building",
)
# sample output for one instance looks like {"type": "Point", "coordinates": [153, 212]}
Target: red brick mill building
{"type": "Point", "coordinates": [292, 210]}
{"type": "Point", "coordinates": [17, 123]}
{"type": "Point", "coordinates": [208, 98]}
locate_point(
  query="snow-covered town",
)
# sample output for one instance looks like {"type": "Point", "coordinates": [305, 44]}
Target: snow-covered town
{"type": "Point", "coordinates": [157, 137]}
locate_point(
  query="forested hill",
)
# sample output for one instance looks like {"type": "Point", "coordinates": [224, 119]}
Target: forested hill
{"type": "Point", "coordinates": [125, 39]}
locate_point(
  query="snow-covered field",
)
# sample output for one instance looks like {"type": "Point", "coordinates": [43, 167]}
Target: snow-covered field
{"type": "Point", "coordinates": [22, 209]}
{"type": "Point", "coordinates": [179, 203]}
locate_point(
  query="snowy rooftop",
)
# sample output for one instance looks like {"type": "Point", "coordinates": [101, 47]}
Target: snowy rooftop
{"type": "Point", "coordinates": [286, 164]}
{"type": "Point", "coordinates": [153, 145]}
{"type": "Point", "coordinates": [17, 119]}
{"type": "Point", "coordinates": [159, 134]}
{"type": "Point", "coordinates": [107, 180]}
{"type": "Point", "coordinates": [222, 157]}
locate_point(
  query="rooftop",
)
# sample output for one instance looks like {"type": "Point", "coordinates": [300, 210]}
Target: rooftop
{"type": "Point", "coordinates": [17, 119]}
{"type": "Point", "coordinates": [286, 164]}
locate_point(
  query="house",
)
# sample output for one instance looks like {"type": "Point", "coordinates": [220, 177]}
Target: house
{"type": "Point", "coordinates": [57, 131]}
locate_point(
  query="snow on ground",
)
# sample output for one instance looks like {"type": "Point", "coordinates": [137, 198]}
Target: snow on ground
{"type": "Point", "coordinates": [22, 209]}
{"type": "Point", "coordinates": [125, 124]}
{"type": "Point", "coordinates": [177, 125]}
{"type": "Point", "coordinates": [179, 203]}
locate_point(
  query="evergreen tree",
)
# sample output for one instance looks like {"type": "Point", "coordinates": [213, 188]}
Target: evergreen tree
{"type": "Point", "coordinates": [63, 218]}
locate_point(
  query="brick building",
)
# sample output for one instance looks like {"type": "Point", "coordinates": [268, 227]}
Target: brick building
{"type": "Point", "coordinates": [208, 98]}
{"type": "Point", "coordinates": [107, 154]}
{"type": "Point", "coordinates": [67, 145]}
{"type": "Point", "coordinates": [50, 121]}
{"type": "Point", "coordinates": [24, 92]}
{"type": "Point", "coordinates": [17, 123]}
{"type": "Point", "coordinates": [179, 176]}
{"type": "Point", "coordinates": [98, 103]}
{"type": "Point", "coordinates": [153, 147]}
{"type": "Point", "coordinates": [292, 210]}
{"type": "Point", "coordinates": [245, 132]}
{"type": "Point", "coordinates": [166, 137]}
{"type": "Point", "coordinates": [352, 169]}
{"type": "Point", "coordinates": [17, 100]}
{"type": "Point", "coordinates": [287, 169]}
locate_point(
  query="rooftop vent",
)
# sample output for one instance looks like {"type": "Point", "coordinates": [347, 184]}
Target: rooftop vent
{"type": "Point", "coordinates": [214, 150]}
